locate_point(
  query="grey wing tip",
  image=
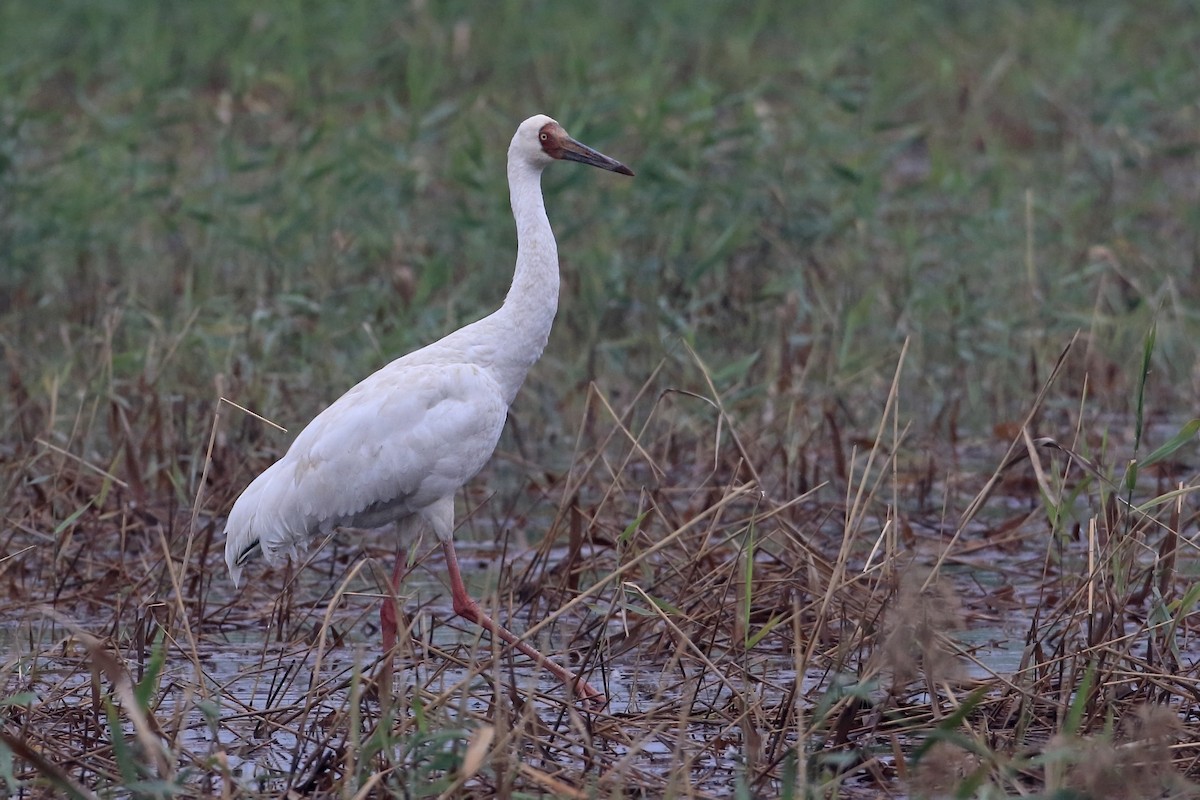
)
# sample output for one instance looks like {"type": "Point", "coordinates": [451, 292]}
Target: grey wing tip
{"type": "Point", "coordinates": [235, 563]}
{"type": "Point", "coordinates": [247, 551]}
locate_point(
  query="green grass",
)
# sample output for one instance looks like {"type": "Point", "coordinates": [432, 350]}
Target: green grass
{"type": "Point", "coordinates": [258, 184]}
{"type": "Point", "coordinates": [267, 202]}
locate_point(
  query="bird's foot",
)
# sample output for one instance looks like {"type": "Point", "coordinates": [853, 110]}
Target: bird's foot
{"type": "Point", "coordinates": [589, 697]}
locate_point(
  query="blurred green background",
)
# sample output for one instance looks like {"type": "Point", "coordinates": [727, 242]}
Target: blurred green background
{"type": "Point", "coordinates": [288, 195]}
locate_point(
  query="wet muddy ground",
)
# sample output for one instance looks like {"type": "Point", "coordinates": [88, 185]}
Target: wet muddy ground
{"type": "Point", "coordinates": [132, 658]}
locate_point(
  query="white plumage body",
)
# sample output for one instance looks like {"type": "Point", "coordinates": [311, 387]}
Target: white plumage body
{"type": "Point", "coordinates": [398, 445]}
{"type": "Point", "coordinates": [402, 441]}
{"type": "Point", "coordinates": [306, 494]}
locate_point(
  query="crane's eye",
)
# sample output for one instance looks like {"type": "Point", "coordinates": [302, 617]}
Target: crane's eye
{"type": "Point", "coordinates": [545, 137]}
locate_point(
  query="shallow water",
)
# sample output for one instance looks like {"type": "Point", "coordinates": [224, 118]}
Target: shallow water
{"type": "Point", "coordinates": [265, 715]}
{"type": "Point", "coordinates": [273, 687]}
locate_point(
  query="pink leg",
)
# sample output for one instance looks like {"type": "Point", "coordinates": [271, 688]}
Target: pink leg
{"type": "Point", "coordinates": [467, 608]}
{"type": "Point", "coordinates": [387, 609]}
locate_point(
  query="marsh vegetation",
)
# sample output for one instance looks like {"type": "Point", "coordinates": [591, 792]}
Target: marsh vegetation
{"type": "Point", "coordinates": [859, 463]}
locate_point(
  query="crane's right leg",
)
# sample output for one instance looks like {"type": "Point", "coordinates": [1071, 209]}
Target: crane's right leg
{"type": "Point", "coordinates": [467, 608]}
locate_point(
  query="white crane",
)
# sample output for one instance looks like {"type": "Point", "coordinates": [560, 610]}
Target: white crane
{"type": "Point", "coordinates": [396, 447]}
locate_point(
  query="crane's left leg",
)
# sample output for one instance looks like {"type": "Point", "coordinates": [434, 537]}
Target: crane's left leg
{"type": "Point", "coordinates": [388, 626]}
{"type": "Point", "coordinates": [388, 629]}
{"type": "Point", "coordinates": [467, 608]}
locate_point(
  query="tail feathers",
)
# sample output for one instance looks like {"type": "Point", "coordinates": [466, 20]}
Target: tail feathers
{"type": "Point", "coordinates": [244, 540]}
{"type": "Point", "coordinates": [234, 560]}
{"type": "Point", "coordinates": [264, 520]}
{"type": "Point", "coordinates": [240, 547]}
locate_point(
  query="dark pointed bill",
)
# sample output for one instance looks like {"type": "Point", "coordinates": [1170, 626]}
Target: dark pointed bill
{"type": "Point", "coordinates": [576, 151]}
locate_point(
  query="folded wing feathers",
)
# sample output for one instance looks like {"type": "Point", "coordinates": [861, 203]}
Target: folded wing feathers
{"type": "Point", "coordinates": [402, 439]}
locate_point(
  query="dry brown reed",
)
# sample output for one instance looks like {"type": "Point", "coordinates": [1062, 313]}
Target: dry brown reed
{"type": "Point", "coordinates": [830, 638]}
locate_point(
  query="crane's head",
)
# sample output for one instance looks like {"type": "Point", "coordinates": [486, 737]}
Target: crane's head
{"type": "Point", "coordinates": [541, 141]}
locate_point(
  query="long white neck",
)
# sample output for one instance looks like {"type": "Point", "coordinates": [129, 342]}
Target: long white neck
{"type": "Point", "coordinates": [528, 310]}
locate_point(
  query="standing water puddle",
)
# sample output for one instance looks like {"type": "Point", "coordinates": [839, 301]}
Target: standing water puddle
{"type": "Point", "coordinates": [249, 706]}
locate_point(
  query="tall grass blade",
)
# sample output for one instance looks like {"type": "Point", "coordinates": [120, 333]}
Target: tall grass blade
{"type": "Point", "coordinates": [1168, 448]}
{"type": "Point", "coordinates": [1079, 703]}
{"type": "Point", "coordinates": [1139, 419]}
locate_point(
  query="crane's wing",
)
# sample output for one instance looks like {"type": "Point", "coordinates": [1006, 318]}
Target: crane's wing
{"type": "Point", "coordinates": [400, 440]}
